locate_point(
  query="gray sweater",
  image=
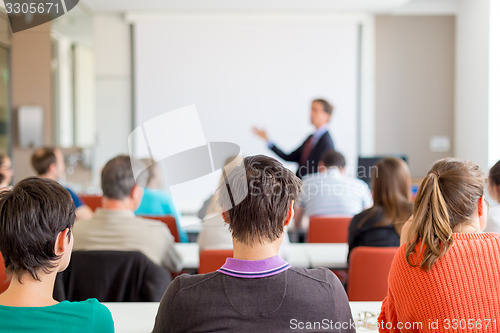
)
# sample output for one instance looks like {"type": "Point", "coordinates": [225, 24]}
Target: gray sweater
{"type": "Point", "coordinates": [297, 299]}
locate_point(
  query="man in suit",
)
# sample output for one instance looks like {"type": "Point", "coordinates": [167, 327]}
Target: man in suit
{"type": "Point", "coordinates": [309, 153]}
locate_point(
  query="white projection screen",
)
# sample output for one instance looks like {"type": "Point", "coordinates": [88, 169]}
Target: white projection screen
{"type": "Point", "coordinates": [242, 71]}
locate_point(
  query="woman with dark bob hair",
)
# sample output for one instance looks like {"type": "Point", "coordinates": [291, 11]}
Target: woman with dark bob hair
{"type": "Point", "coordinates": [446, 276]}
{"type": "Point", "coordinates": [36, 219]}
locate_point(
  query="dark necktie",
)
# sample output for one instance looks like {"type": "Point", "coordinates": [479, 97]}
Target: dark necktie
{"type": "Point", "coordinates": [307, 150]}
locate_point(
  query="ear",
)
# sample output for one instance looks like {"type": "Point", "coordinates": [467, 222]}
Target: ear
{"type": "Point", "coordinates": [290, 214]}
{"type": "Point", "coordinates": [342, 170]}
{"type": "Point", "coordinates": [136, 196]}
{"type": "Point", "coordinates": [225, 217]}
{"type": "Point", "coordinates": [481, 206]}
{"type": "Point", "coordinates": [321, 166]}
{"type": "Point", "coordinates": [496, 190]}
{"type": "Point", "coordinates": [52, 168]}
{"type": "Point", "coordinates": [136, 193]}
{"type": "Point", "coordinates": [62, 242]}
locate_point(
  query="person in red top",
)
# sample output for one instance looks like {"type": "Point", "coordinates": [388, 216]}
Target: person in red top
{"type": "Point", "coordinates": [446, 277]}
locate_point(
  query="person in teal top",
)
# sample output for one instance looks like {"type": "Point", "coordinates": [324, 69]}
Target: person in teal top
{"type": "Point", "coordinates": [36, 219]}
{"type": "Point", "coordinates": [156, 202]}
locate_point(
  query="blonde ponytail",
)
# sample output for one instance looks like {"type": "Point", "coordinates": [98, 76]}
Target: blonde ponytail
{"type": "Point", "coordinates": [446, 198]}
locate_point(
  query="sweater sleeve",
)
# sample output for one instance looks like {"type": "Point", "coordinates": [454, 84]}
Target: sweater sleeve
{"type": "Point", "coordinates": [165, 317]}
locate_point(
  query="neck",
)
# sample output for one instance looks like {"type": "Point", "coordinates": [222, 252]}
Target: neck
{"type": "Point", "coordinates": [113, 204]}
{"type": "Point", "coordinates": [48, 176]}
{"type": "Point", "coordinates": [256, 250]}
{"type": "Point", "coordinates": [30, 292]}
{"type": "Point", "coordinates": [471, 227]}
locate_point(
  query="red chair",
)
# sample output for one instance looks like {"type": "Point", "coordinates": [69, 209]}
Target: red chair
{"type": "Point", "coordinates": [368, 272]}
{"type": "Point", "coordinates": [212, 260]}
{"type": "Point", "coordinates": [4, 279]}
{"type": "Point", "coordinates": [328, 229]}
{"type": "Point", "coordinates": [169, 221]}
{"type": "Point", "coordinates": [93, 201]}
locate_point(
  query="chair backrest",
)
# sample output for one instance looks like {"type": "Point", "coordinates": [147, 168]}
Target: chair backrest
{"type": "Point", "coordinates": [328, 229]}
{"type": "Point", "coordinates": [171, 223]}
{"type": "Point", "coordinates": [368, 272]}
{"type": "Point", "coordinates": [93, 201]}
{"type": "Point", "coordinates": [4, 279]}
{"type": "Point", "coordinates": [111, 276]}
{"type": "Point", "coordinates": [212, 260]}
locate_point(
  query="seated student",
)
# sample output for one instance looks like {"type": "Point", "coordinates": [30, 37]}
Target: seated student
{"type": "Point", "coordinates": [215, 233]}
{"type": "Point", "coordinates": [115, 227]}
{"type": "Point", "coordinates": [6, 172]}
{"type": "Point", "coordinates": [494, 191]}
{"type": "Point", "coordinates": [448, 273]}
{"type": "Point", "coordinates": [330, 192]}
{"type": "Point", "coordinates": [381, 224]}
{"type": "Point", "coordinates": [256, 290]}
{"type": "Point", "coordinates": [156, 202]}
{"type": "Point", "coordinates": [36, 219]}
{"type": "Point", "coordinates": [49, 163]}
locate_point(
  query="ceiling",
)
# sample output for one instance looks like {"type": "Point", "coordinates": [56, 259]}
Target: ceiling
{"type": "Point", "coordinates": [122, 6]}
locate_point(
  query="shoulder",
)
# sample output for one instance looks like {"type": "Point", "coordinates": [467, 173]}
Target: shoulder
{"type": "Point", "coordinates": [97, 307]}
{"type": "Point", "coordinates": [186, 283]}
{"type": "Point", "coordinates": [89, 304]}
{"type": "Point", "coordinates": [150, 223]}
{"type": "Point", "coordinates": [358, 217]}
{"type": "Point", "coordinates": [311, 178]}
{"type": "Point", "coordinates": [316, 276]}
{"type": "Point", "coordinates": [156, 194]}
{"type": "Point", "coordinates": [102, 318]}
{"type": "Point", "coordinates": [91, 308]}
{"type": "Point", "coordinates": [83, 225]}
{"type": "Point", "coordinates": [359, 183]}
{"type": "Point", "coordinates": [327, 138]}
{"type": "Point", "coordinates": [73, 194]}
{"type": "Point", "coordinates": [373, 214]}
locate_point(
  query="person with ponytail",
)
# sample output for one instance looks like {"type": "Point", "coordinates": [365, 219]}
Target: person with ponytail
{"type": "Point", "coordinates": [494, 191]}
{"type": "Point", "coordinates": [447, 274]}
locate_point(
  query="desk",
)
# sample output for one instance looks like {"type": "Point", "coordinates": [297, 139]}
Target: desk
{"type": "Point", "coordinates": [140, 317]}
{"type": "Point", "coordinates": [308, 255]}
{"type": "Point", "coordinates": [332, 256]}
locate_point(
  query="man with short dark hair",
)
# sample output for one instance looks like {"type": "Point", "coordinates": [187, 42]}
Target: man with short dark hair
{"type": "Point", "coordinates": [309, 153]}
{"type": "Point", "coordinates": [115, 227]}
{"type": "Point", "coordinates": [330, 192]}
{"type": "Point", "coordinates": [49, 163]}
{"type": "Point", "coordinates": [256, 290]}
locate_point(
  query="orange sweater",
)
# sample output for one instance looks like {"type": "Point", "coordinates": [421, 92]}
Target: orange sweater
{"type": "Point", "coordinates": [461, 292]}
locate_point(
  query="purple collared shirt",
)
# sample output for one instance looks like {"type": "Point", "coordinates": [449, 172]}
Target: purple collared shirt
{"type": "Point", "coordinates": [254, 268]}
